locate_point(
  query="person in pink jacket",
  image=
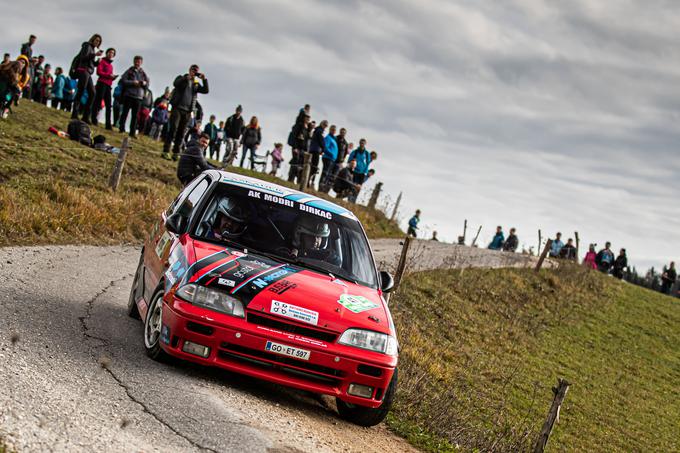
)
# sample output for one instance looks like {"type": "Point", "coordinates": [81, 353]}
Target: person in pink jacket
{"type": "Point", "coordinates": [103, 88]}
{"type": "Point", "coordinates": [589, 260]}
{"type": "Point", "coordinates": [277, 158]}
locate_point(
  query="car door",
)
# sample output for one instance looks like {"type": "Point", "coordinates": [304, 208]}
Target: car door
{"type": "Point", "coordinates": [161, 242]}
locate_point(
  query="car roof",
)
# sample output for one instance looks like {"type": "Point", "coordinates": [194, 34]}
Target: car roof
{"type": "Point", "coordinates": [287, 193]}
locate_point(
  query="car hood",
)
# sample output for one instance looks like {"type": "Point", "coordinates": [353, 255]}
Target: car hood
{"type": "Point", "coordinates": [288, 291]}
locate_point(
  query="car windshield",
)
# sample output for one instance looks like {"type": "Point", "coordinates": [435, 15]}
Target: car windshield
{"type": "Point", "coordinates": [289, 231]}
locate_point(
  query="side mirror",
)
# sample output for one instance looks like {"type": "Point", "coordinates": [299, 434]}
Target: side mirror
{"type": "Point", "coordinates": [386, 281]}
{"type": "Point", "coordinates": [176, 223]}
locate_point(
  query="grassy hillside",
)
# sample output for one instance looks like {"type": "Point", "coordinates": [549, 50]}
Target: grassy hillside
{"type": "Point", "coordinates": [481, 350]}
{"type": "Point", "coordinates": [53, 190]}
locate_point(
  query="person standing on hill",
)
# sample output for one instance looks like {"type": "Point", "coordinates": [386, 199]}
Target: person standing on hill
{"type": "Point", "coordinates": [297, 140]}
{"type": "Point", "coordinates": [211, 130]}
{"type": "Point", "coordinates": [27, 47]}
{"type": "Point", "coordinates": [605, 258]}
{"type": "Point", "coordinates": [317, 147]}
{"type": "Point", "coordinates": [363, 159]}
{"type": "Point", "coordinates": [83, 68]}
{"type": "Point", "coordinates": [135, 83]}
{"type": "Point", "coordinates": [233, 130]}
{"type": "Point", "coordinates": [252, 137]}
{"type": "Point", "coordinates": [556, 246]}
{"type": "Point", "coordinates": [590, 258]}
{"type": "Point", "coordinates": [498, 239]}
{"type": "Point", "coordinates": [620, 264]}
{"type": "Point", "coordinates": [183, 102]}
{"type": "Point", "coordinates": [413, 224]}
{"type": "Point", "coordinates": [46, 84]}
{"type": "Point", "coordinates": [103, 88]}
{"type": "Point", "coordinates": [510, 244]}
{"type": "Point", "coordinates": [330, 154]}
{"type": "Point", "coordinates": [668, 278]}
{"type": "Point", "coordinates": [568, 252]}
{"type": "Point", "coordinates": [38, 71]}
{"type": "Point", "coordinates": [58, 89]}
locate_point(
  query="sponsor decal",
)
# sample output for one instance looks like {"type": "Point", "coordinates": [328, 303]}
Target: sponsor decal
{"type": "Point", "coordinates": [282, 286]}
{"type": "Point", "coordinates": [356, 304]}
{"type": "Point", "coordinates": [243, 271]}
{"type": "Point", "coordinates": [177, 268]}
{"type": "Point", "coordinates": [316, 211]}
{"type": "Point", "coordinates": [294, 312]}
{"type": "Point", "coordinates": [163, 242]}
{"type": "Point", "coordinates": [165, 334]}
{"type": "Point", "coordinates": [337, 281]}
{"type": "Point", "coordinates": [226, 282]}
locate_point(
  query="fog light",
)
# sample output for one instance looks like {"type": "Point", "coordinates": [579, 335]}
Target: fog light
{"type": "Point", "coordinates": [196, 349]}
{"type": "Point", "coordinates": [364, 391]}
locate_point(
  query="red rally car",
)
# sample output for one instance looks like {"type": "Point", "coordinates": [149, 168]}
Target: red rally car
{"type": "Point", "coordinates": [273, 283]}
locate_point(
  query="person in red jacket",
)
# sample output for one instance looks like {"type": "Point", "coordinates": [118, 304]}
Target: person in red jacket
{"type": "Point", "coordinates": [103, 88]}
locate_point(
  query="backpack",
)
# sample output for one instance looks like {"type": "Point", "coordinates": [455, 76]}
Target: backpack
{"type": "Point", "coordinates": [74, 65]}
{"type": "Point", "coordinates": [80, 132]}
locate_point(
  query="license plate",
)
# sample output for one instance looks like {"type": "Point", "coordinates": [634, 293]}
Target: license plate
{"type": "Point", "coordinates": [290, 351]}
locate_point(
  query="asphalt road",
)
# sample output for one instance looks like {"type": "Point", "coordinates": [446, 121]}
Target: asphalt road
{"type": "Point", "coordinates": [75, 376]}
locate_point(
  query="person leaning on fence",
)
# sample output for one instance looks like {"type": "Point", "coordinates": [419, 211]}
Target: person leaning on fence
{"type": "Point", "coordinates": [620, 264]}
{"type": "Point", "coordinates": [82, 69]}
{"type": "Point", "coordinates": [413, 224]}
{"type": "Point", "coordinates": [590, 258]}
{"type": "Point", "coordinates": [605, 258]}
{"type": "Point", "coordinates": [498, 239]}
{"type": "Point", "coordinates": [511, 243]}
{"type": "Point", "coordinates": [192, 161]}
{"type": "Point", "coordinates": [233, 130]}
{"type": "Point", "coordinates": [568, 251]}
{"type": "Point", "coordinates": [556, 246]}
{"type": "Point", "coordinates": [344, 186]}
{"type": "Point", "coordinates": [183, 102]}
{"type": "Point", "coordinates": [668, 278]}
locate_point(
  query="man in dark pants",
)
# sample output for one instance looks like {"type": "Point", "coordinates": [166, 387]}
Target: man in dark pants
{"type": "Point", "coordinates": [135, 82]}
{"type": "Point", "coordinates": [317, 147]}
{"type": "Point", "coordinates": [668, 279]}
{"type": "Point", "coordinates": [192, 161]}
{"type": "Point", "coordinates": [183, 101]}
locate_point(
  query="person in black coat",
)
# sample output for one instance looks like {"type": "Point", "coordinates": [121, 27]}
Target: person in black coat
{"type": "Point", "coordinates": [192, 161]}
{"type": "Point", "coordinates": [135, 83]}
{"type": "Point", "coordinates": [511, 243]}
{"type": "Point", "coordinates": [27, 47]}
{"type": "Point", "coordinates": [620, 264]}
{"type": "Point", "coordinates": [183, 102]}
{"type": "Point", "coordinates": [86, 62]}
{"type": "Point", "coordinates": [252, 137]}
{"type": "Point", "coordinates": [233, 129]}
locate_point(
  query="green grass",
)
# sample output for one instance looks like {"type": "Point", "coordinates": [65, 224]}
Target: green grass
{"type": "Point", "coordinates": [54, 191]}
{"type": "Point", "coordinates": [481, 350]}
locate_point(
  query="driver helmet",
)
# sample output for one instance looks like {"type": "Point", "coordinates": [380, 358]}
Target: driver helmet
{"type": "Point", "coordinates": [230, 219]}
{"type": "Point", "coordinates": [311, 234]}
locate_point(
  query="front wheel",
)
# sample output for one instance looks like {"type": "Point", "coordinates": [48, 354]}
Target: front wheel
{"type": "Point", "coordinates": [152, 328]}
{"type": "Point", "coordinates": [367, 416]}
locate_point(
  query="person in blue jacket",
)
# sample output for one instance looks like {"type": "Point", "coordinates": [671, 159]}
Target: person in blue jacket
{"type": "Point", "coordinates": [498, 239]}
{"type": "Point", "coordinates": [58, 89]}
{"type": "Point", "coordinates": [363, 158]}
{"type": "Point", "coordinates": [413, 224]}
{"type": "Point", "coordinates": [330, 154]}
{"type": "Point", "coordinates": [557, 245]}
{"type": "Point", "coordinates": [70, 88]}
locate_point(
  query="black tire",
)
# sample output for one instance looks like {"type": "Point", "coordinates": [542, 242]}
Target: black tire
{"type": "Point", "coordinates": [132, 309]}
{"type": "Point", "coordinates": [367, 416]}
{"type": "Point", "coordinates": [154, 315]}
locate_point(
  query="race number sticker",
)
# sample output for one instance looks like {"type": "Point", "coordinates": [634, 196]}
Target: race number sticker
{"type": "Point", "coordinates": [294, 312]}
{"type": "Point", "coordinates": [226, 282]}
{"type": "Point", "coordinates": [356, 304]}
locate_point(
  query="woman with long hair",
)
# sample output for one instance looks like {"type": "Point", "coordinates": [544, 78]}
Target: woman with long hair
{"type": "Point", "coordinates": [251, 139]}
{"type": "Point", "coordinates": [84, 64]}
{"type": "Point", "coordinates": [14, 76]}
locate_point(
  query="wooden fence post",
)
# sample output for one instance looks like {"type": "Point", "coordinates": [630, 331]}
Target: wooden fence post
{"type": "Point", "coordinates": [374, 196]}
{"type": "Point", "coordinates": [114, 180]}
{"type": "Point", "coordinates": [306, 168]}
{"type": "Point", "coordinates": [577, 244]}
{"type": "Point", "coordinates": [546, 249]}
{"type": "Point", "coordinates": [396, 207]}
{"type": "Point", "coordinates": [540, 242]}
{"type": "Point", "coordinates": [474, 241]}
{"type": "Point", "coordinates": [401, 267]}
{"type": "Point", "coordinates": [464, 230]}
{"type": "Point", "coordinates": [553, 415]}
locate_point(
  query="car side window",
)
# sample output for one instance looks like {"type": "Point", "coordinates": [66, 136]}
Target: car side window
{"type": "Point", "coordinates": [182, 196]}
{"type": "Point", "coordinates": [194, 198]}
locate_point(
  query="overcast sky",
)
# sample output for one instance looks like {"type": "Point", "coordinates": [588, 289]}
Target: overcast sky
{"type": "Point", "coordinates": [552, 115]}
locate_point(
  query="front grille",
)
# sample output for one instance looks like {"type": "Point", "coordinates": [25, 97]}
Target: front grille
{"type": "Point", "coordinates": [199, 328]}
{"type": "Point", "coordinates": [303, 368]}
{"type": "Point", "coordinates": [369, 370]}
{"type": "Point", "coordinates": [292, 328]}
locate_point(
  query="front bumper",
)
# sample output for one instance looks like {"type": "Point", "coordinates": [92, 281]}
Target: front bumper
{"type": "Point", "coordinates": [239, 346]}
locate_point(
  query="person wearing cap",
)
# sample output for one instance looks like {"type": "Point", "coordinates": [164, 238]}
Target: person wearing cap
{"type": "Point", "coordinates": [183, 103]}
{"type": "Point", "coordinates": [233, 130]}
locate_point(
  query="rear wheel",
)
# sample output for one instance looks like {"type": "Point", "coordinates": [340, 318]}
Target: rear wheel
{"type": "Point", "coordinates": [368, 416]}
{"type": "Point", "coordinates": [152, 328]}
{"type": "Point", "coordinates": [132, 309]}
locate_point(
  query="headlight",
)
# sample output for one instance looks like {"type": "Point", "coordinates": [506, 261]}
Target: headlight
{"type": "Point", "coordinates": [367, 339]}
{"type": "Point", "coordinates": [211, 299]}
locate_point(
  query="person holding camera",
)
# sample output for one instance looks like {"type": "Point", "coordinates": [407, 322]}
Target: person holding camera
{"type": "Point", "coordinates": [183, 103]}
{"type": "Point", "coordinates": [135, 83]}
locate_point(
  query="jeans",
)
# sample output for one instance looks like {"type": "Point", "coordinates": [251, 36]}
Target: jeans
{"type": "Point", "coordinates": [85, 85]}
{"type": "Point", "coordinates": [176, 130]}
{"type": "Point", "coordinates": [230, 151]}
{"type": "Point", "coordinates": [131, 106]}
{"type": "Point", "coordinates": [56, 102]}
{"type": "Point", "coordinates": [326, 172]}
{"type": "Point", "coordinates": [252, 155]}
{"type": "Point", "coordinates": [103, 93]}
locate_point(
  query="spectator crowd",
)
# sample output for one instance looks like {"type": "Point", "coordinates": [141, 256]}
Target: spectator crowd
{"type": "Point", "coordinates": [125, 101]}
